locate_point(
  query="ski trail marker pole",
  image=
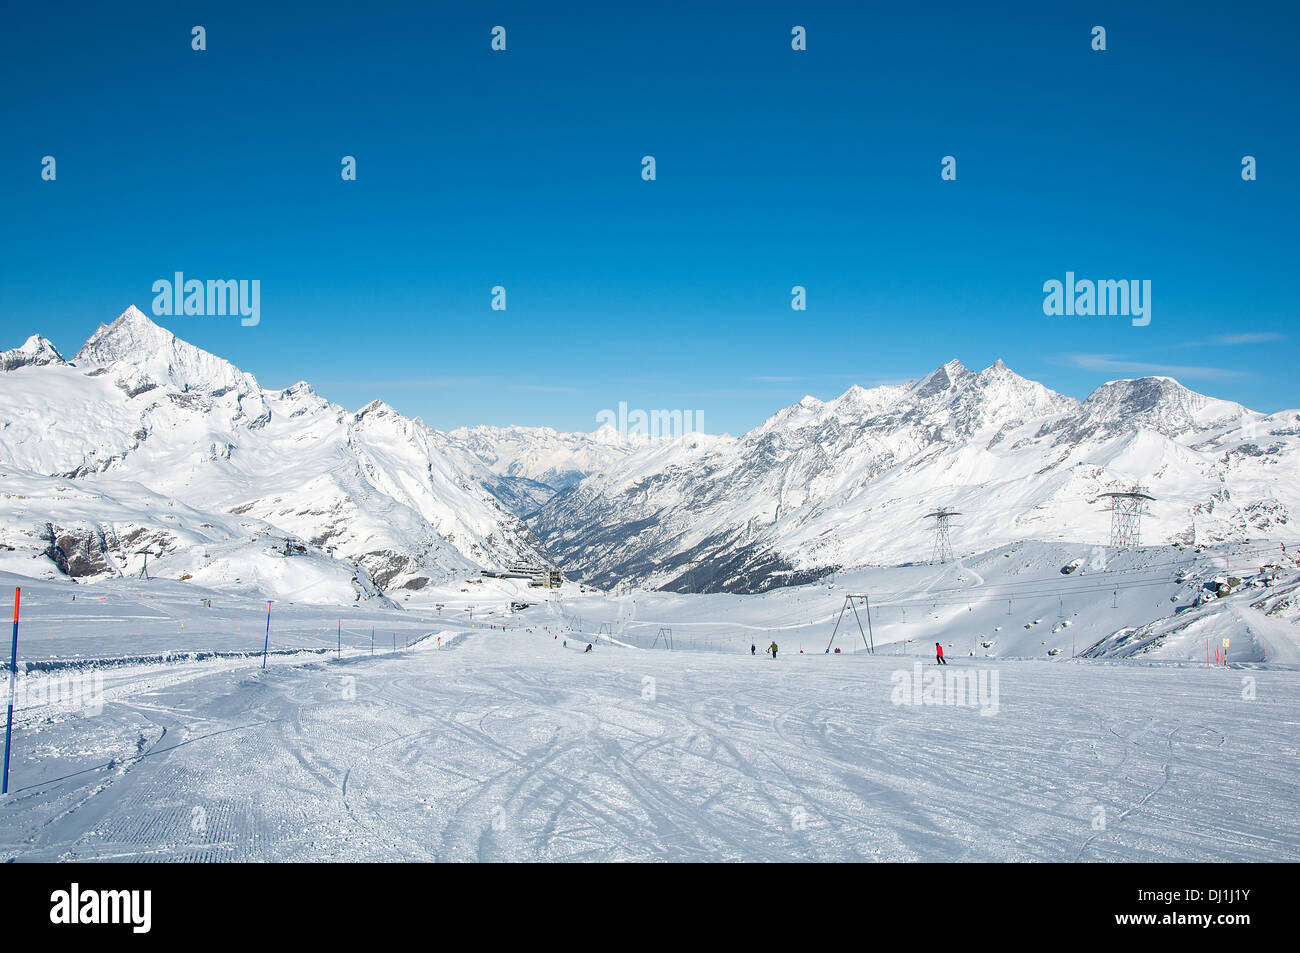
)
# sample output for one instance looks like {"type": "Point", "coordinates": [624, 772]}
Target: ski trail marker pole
{"type": "Point", "coordinates": [13, 674]}
{"type": "Point", "coordinates": [266, 644]}
{"type": "Point", "coordinates": [340, 655]}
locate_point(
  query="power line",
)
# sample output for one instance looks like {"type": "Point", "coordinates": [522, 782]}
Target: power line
{"type": "Point", "coordinates": [1052, 586]}
{"type": "Point", "coordinates": [971, 594]}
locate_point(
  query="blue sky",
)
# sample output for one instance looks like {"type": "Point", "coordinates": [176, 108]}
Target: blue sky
{"type": "Point", "coordinates": [775, 168]}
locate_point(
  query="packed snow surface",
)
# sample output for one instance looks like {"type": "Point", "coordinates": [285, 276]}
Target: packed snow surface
{"type": "Point", "coordinates": [474, 733]}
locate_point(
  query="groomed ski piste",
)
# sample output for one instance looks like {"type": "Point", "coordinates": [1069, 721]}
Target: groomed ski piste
{"type": "Point", "coordinates": [1088, 712]}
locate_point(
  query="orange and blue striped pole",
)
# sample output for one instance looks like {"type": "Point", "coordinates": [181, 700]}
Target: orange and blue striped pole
{"type": "Point", "coordinates": [13, 675]}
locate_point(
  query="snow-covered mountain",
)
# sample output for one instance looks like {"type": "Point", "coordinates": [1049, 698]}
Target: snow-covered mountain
{"type": "Point", "coordinates": [529, 465]}
{"type": "Point", "coordinates": [35, 351]}
{"type": "Point", "coordinates": [848, 482]}
{"type": "Point", "coordinates": [147, 443]}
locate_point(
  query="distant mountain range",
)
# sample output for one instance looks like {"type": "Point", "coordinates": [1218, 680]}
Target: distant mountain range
{"type": "Point", "coordinates": [144, 444]}
{"type": "Point", "coordinates": [848, 482]}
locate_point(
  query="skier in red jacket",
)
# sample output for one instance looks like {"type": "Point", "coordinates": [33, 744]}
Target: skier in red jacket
{"type": "Point", "coordinates": [938, 654]}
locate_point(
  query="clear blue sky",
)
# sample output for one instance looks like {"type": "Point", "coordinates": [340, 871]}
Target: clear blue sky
{"type": "Point", "coordinates": [775, 168]}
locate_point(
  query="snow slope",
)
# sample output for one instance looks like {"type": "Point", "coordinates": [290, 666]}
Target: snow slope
{"type": "Point", "coordinates": [477, 732]}
{"type": "Point", "coordinates": [510, 746]}
{"type": "Point", "coordinates": [1151, 605]}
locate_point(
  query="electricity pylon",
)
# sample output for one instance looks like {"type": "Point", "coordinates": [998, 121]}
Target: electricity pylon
{"type": "Point", "coordinates": [942, 552]}
{"type": "Point", "coordinates": [1126, 510]}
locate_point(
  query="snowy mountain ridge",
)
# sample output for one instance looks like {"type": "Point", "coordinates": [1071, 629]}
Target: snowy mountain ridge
{"type": "Point", "coordinates": [36, 351]}
{"type": "Point", "coordinates": [847, 482]}
{"type": "Point", "coordinates": [147, 444]}
{"type": "Point", "coordinates": [529, 465]}
{"type": "Point", "coordinates": [173, 451]}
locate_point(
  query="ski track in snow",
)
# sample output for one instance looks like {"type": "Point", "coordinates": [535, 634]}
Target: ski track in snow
{"type": "Point", "coordinates": [1281, 641]}
{"type": "Point", "coordinates": [503, 746]}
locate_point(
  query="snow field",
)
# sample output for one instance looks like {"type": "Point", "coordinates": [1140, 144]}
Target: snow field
{"type": "Point", "coordinates": [505, 746]}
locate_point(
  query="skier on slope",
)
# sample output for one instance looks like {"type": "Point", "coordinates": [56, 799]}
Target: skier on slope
{"type": "Point", "coordinates": [753, 649]}
{"type": "Point", "coordinates": [587, 649]}
{"type": "Point", "coordinates": [772, 648]}
{"type": "Point", "coordinates": [938, 654]}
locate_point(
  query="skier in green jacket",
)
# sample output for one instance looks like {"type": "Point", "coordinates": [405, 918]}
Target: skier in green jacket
{"type": "Point", "coordinates": [772, 648]}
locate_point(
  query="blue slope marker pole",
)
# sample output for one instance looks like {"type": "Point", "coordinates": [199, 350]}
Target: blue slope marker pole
{"type": "Point", "coordinates": [13, 674]}
{"type": "Point", "coordinates": [372, 640]}
{"type": "Point", "coordinates": [267, 644]}
{"type": "Point", "coordinates": [340, 655]}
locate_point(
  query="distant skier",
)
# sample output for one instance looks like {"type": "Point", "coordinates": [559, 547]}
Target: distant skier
{"type": "Point", "coordinates": [753, 649]}
{"type": "Point", "coordinates": [772, 648]}
{"type": "Point", "coordinates": [587, 649]}
{"type": "Point", "coordinates": [938, 654]}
